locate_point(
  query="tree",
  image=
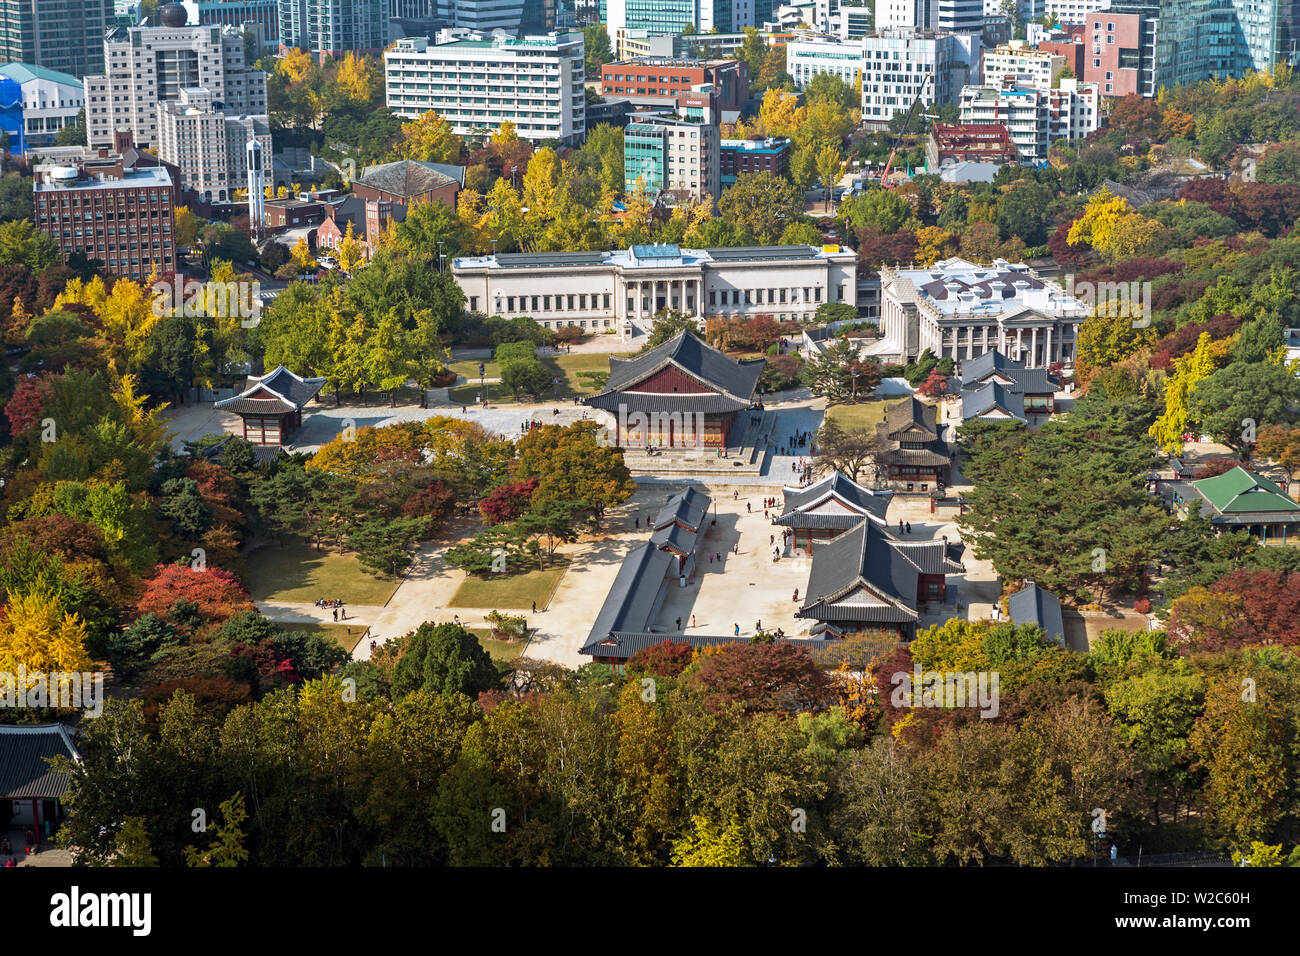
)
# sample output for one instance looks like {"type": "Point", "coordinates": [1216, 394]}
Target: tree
{"type": "Point", "coordinates": [227, 848]}
{"type": "Point", "coordinates": [1281, 443]}
{"type": "Point", "coordinates": [762, 205]}
{"type": "Point", "coordinates": [773, 677]}
{"type": "Point", "coordinates": [710, 845]}
{"type": "Point", "coordinates": [838, 373]}
{"type": "Point", "coordinates": [830, 166]}
{"type": "Point", "coordinates": [572, 465]}
{"type": "Point", "coordinates": [1232, 403]}
{"type": "Point", "coordinates": [1189, 371]}
{"type": "Point", "coordinates": [443, 659]}
{"type": "Point", "coordinates": [430, 139]}
{"type": "Point", "coordinates": [596, 47]}
{"type": "Point", "coordinates": [668, 323]}
{"type": "Point", "coordinates": [526, 376]}
{"type": "Point", "coordinates": [132, 845]}
{"type": "Point", "coordinates": [36, 635]}
{"type": "Point", "coordinates": [883, 209]}
{"type": "Point", "coordinates": [846, 450]}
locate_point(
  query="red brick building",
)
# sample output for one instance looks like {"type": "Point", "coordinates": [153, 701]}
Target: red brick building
{"type": "Point", "coordinates": [406, 183]}
{"type": "Point", "coordinates": [739, 156]}
{"type": "Point", "coordinates": [658, 82]}
{"type": "Point", "coordinates": [970, 143]}
{"type": "Point", "coordinates": [1069, 47]}
{"type": "Point", "coordinates": [122, 217]}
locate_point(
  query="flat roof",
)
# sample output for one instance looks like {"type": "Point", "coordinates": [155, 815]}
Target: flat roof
{"type": "Point", "coordinates": [132, 178]}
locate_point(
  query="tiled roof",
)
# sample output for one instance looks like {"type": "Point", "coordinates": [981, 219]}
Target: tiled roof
{"type": "Point", "coordinates": [1241, 491]}
{"type": "Point", "coordinates": [1033, 381]}
{"type": "Point", "coordinates": [734, 379]}
{"type": "Point", "coordinates": [686, 507]}
{"type": "Point", "coordinates": [685, 403]}
{"type": "Point", "coordinates": [835, 485]}
{"type": "Point", "coordinates": [1033, 605]}
{"type": "Point", "coordinates": [288, 393]}
{"type": "Point", "coordinates": [911, 420]}
{"type": "Point", "coordinates": [978, 402]}
{"type": "Point", "coordinates": [405, 178]}
{"type": "Point", "coordinates": [631, 600]}
{"type": "Point", "coordinates": [24, 750]}
{"type": "Point", "coordinates": [870, 557]}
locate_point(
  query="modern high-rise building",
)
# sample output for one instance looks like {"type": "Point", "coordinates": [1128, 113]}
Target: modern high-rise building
{"type": "Point", "coordinates": [956, 16]}
{"type": "Point", "coordinates": [898, 66]}
{"type": "Point", "coordinates": [334, 27]}
{"type": "Point", "coordinates": [259, 15]}
{"type": "Point", "coordinates": [1025, 65]}
{"type": "Point", "coordinates": [63, 35]}
{"type": "Point", "coordinates": [1035, 118]}
{"type": "Point", "coordinates": [1186, 41]}
{"type": "Point", "coordinates": [210, 145]}
{"type": "Point", "coordinates": [676, 154]}
{"type": "Point", "coordinates": [665, 17]}
{"type": "Point", "coordinates": [147, 66]}
{"type": "Point", "coordinates": [478, 81]}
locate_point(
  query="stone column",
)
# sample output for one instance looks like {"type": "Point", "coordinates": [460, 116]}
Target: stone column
{"type": "Point", "coordinates": [1020, 340]}
{"type": "Point", "coordinates": [1048, 358]}
{"type": "Point", "coordinates": [1033, 347]}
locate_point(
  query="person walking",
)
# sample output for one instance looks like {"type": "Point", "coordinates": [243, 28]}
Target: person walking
{"type": "Point", "coordinates": [796, 596]}
{"type": "Point", "coordinates": [737, 630]}
{"type": "Point", "coordinates": [749, 508]}
{"type": "Point", "coordinates": [534, 607]}
{"type": "Point", "coordinates": [909, 527]}
{"type": "Point", "coordinates": [679, 624]}
{"type": "Point", "coordinates": [692, 620]}
{"type": "Point", "coordinates": [336, 615]}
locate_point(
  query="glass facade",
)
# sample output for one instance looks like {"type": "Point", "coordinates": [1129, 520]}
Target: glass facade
{"type": "Point", "coordinates": [645, 152]}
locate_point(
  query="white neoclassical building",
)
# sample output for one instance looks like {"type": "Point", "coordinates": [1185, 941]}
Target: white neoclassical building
{"type": "Point", "coordinates": [961, 310]}
{"type": "Point", "coordinates": [612, 291]}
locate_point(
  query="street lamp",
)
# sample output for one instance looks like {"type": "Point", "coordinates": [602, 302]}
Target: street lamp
{"type": "Point", "coordinates": [853, 374]}
{"type": "Point", "coordinates": [440, 255]}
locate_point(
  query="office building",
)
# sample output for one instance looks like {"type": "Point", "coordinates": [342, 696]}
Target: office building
{"type": "Point", "coordinates": [262, 16]}
{"type": "Point", "coordinates": [675, 156]}
{"type": "Point", "coordinates": [333, 27]}
{"type": "Point", "coordinates": [210, 145]}
{"type": "Point", "coordinates": [121, 217]}
{"type": "Point", "coordinates": [51, 100]}
{"type": "Point", "coordinates": [673, 16]}
{"type": "Point", "coordinates": [1022, 65]}
{"type": "Point", "coordinates": [740, 156]}
{"type": "Point", "coordinates": [1033, 118]}
{"type": "Point", "coordinates": [477, 82]}
{"type": "Point", "coordinates": [147, 66]}
{"type": "Point", "coordinates": [63, 35]}
{"type": "Point", "coordinates": [810, 56]}
{"type": "Point", "coordinates": [658, 82]}
{"type": "Point", "coordinates": [900, 65]}
{"type": "Point", "coordinates": [955, 16]}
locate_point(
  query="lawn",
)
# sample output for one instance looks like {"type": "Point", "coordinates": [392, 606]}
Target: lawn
{"type": "Point", "coordinates": [298, 572]}
{"type": "Point", "coordinates": [866, 414]}
{"type": "Point", "coordinates": [566, 367]}
{"type": "Point", "coordinates": [499, 650]}
{"type": "Point", "coordinates": [344, 636]}
{"type": "Point", "coordinates": [513, 592]}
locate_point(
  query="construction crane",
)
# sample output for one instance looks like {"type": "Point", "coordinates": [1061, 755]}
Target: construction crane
{"type": "Point", "coordinates": [907, 123]}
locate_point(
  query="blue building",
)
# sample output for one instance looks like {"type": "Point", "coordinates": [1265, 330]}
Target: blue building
{"type": "Point", "coordinates": [11, 115]}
